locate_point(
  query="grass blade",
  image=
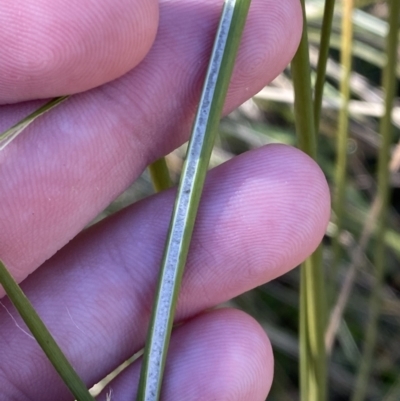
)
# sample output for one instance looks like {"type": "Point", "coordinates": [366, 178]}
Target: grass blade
{"type": "Point", "coordinates": [160, 175]}
{"type": "Point", "coordinates": [323, 59]}
{"type": "Point", "coordinates": [43, 337]}
{"type": "Point", "coordinates": [194, 171]}
{"type": "Point", "coordinates": [312, 300]}
{"type": "Point", "coordinates": [7, 136]}
{"type": "Point", "coordinates": [304, 115]}
{"type": "Point", "coordinates": [343, 135]}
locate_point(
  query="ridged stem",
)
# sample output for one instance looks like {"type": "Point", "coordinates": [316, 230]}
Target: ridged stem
{"type": "Point", "coordinates": [189, 191]}
{"type": "Point", "coordinates": [312, 301]}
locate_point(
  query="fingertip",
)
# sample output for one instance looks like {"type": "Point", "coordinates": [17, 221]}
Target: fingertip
{"type": "Point", "coordinates": [267, 209]}
{"type": "Point", "coordinates": [59, 48]}
{"type": "Point", "coordinates": [310, 188]}
{"type": "Point", "coordinates": [219, 355]}
{"type": "Point", "coordinates": [299, 193]}
{"type": "Point", "coordinates": [276, 45]}
{"type": "Point", "coordinates": [228, 351]}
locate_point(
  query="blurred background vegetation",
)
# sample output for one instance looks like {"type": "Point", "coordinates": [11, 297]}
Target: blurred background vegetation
{"type": "Point", "coordinates": [348, 250]}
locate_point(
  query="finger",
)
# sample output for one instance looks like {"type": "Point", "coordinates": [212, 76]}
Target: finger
{"type": "Point", "coordinates": [69, 165]}
{"type": "Point", "coordinates": [222, 355]}
{"type": "Point", "coordinates": [57, 48]}
{"type": "Point", "coordinates": [261, 214]}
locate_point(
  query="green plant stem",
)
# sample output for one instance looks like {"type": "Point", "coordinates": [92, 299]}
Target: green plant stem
{"type": "Point", "coordinates": [303, 103]}
{"type": "Point", "coordinates": [312, 329]}
{"type": "Point", "coordinates": [312, 301]}
{"type": "Point", "coordinates": [342, 137]}
{"type": "Point", "coordinates": [160, 175]}
{"type": "Point", "coordinates": [43, 337]}
{"type": "Point", "coordinates": [7, 136]}
{"type": "Point", "coordinates": [323, 59]}
{"type": "Point", "coordinates": [383, 189]}
{"type": "Point", "coordinates": [191, 184]}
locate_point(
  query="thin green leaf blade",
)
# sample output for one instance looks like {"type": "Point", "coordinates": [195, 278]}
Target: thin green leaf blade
{"type": "Point", "coordinates": [43, 336]}
{"type": "Point", "coordinates": [194, 171]}
{"type": "Point", "coordinates": [9, 135]}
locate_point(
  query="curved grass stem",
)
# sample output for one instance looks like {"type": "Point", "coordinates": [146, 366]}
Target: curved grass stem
{"type": "Point", "coordinates": [43, 337]}
{"type": "Point", "coordinates": [7, 136]}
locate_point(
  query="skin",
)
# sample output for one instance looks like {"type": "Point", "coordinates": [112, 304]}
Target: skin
{"type": "Point", "coordinates": [262, 213]}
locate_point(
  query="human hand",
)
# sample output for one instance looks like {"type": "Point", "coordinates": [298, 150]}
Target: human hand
{"type": "Point", "coordinates": [261, 213]}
